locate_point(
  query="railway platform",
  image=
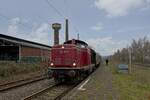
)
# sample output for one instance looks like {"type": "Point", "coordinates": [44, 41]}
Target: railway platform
{"type": "Point", "coordinates": [97, 86]}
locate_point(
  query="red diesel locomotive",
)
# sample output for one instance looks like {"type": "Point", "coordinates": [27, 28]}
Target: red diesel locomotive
{"type": "Point", "coordinates": [72, 60]}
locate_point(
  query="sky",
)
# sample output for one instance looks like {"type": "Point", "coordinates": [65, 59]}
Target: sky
{"type": "Point", "coordinates": [106, 25]}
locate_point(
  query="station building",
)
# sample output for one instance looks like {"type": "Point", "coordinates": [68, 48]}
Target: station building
{"type": "Point", "coordinates": [20, 50]}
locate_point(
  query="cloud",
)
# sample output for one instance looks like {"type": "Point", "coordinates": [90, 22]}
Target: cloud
{"type": "Point", "coordinates": [98, 27]}
{"type": "Point", "coordinates": [39, 33]}
{"type": "Point", "coordinates": [13, 26]}
{"type": "Point", "coordinates": [115, 8]}
{"type": "Point", "coordinates": [107, 45]}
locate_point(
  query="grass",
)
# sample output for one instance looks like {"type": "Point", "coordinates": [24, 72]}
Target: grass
{"type": "Point", "coordinates": [134, 86]}
{"type": "Point", "coordinates": [8, 69]}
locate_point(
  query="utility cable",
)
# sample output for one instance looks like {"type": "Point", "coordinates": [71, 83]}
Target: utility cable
{"type": "Point", "coordinates": [62, 15]}
{"type": "Point", "coordinates": [57, 11]}
{"type": "Point", "coordinates": [69, 14]}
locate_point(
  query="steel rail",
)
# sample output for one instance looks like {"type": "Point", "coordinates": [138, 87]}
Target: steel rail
{"type": "Point", "coordinates": [56, 92]}
{"type": "Point", "coordinates": [19, 84]}
{"type": "Point", "coordinates": [12, 82]}
{"type": "Point", "coordinates": [39, 92]}
{"type": "Point", "coordinates": [65, 92]}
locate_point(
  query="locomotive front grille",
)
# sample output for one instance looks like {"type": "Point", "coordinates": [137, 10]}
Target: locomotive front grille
{"type": "Point", "coordinates": [65, 61]}
{"type": "Point", "coordinates": [57, 61]}
{"type": "Point", "coordinates": [64, 57]}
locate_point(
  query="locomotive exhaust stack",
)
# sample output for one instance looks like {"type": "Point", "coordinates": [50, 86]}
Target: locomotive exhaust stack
{"type": "Point", "coordinates": [67, 30]}
{"type": "Point", "coordinates": [56, 27]}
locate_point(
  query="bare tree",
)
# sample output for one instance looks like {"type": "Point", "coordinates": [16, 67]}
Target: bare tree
{"type": "Point", "coordinates": [140, 52]}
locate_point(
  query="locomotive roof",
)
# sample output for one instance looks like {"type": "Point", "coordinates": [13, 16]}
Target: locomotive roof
{"type": "Point", "coordinates": [76, 41]}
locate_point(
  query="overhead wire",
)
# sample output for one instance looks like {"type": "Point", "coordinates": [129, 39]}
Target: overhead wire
{"type": "Point", "coordinates": [57, 11]}
{"type": "Point", "coordinates": [62, 15]}
{"type": "Point", "coordinates": [66, 10]}
{"type": "Point", "coordinates": [69, 16]}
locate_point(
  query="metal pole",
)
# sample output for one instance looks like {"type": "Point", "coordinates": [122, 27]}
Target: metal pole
{"type": "Point", "coordinates": [20, 53]}
{"type": "Point", "coordinates": [130, 59]}
{"type": "Point", "coordinates": [78, 36]}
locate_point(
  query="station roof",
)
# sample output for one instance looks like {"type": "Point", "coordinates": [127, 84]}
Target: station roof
{"type": "Point", "coordinates": [23, 42]}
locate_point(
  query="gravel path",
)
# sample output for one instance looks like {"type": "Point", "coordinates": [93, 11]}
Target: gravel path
{"type": "Point", "coordinates": [21, 92]}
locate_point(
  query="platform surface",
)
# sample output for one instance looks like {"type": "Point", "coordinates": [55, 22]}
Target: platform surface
{"type": "Point", "coordinates": [98, 86]}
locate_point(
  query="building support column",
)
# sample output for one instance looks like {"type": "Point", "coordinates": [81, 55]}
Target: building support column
{"type": "Point", "coordinates": [19, 53]}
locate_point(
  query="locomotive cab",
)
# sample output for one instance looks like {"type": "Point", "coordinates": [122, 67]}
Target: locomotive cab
{"type": "Point", "coordinates": [70, 59]}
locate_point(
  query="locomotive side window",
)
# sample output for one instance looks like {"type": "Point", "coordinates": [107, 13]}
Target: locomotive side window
{"type": "Point", "coordinates": [81, 45]}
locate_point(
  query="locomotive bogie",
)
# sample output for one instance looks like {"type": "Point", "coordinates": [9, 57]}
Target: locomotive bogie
{"type": "Point", "coordinates": [70, 75]}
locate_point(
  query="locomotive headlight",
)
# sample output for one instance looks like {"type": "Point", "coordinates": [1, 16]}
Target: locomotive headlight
{"type": "Point", "coordinates": [62, 47]}
{"type": "Point", "coordinates": [74, 64]}
{"type": "Point", "coordinates": [52, 64]}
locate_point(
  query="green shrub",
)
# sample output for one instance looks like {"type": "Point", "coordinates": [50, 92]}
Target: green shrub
{"type": "Point", "coordinates": [11, 68]}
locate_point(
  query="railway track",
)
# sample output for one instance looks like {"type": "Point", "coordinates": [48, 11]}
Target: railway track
{"type": "Point", "coordinates": [19, 83]}
{"type": "Point", "coordinates": [55, 92]}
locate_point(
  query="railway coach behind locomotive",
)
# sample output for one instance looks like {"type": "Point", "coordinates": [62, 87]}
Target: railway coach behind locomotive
{"type": "Point", "coordinates": [72, 60]}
